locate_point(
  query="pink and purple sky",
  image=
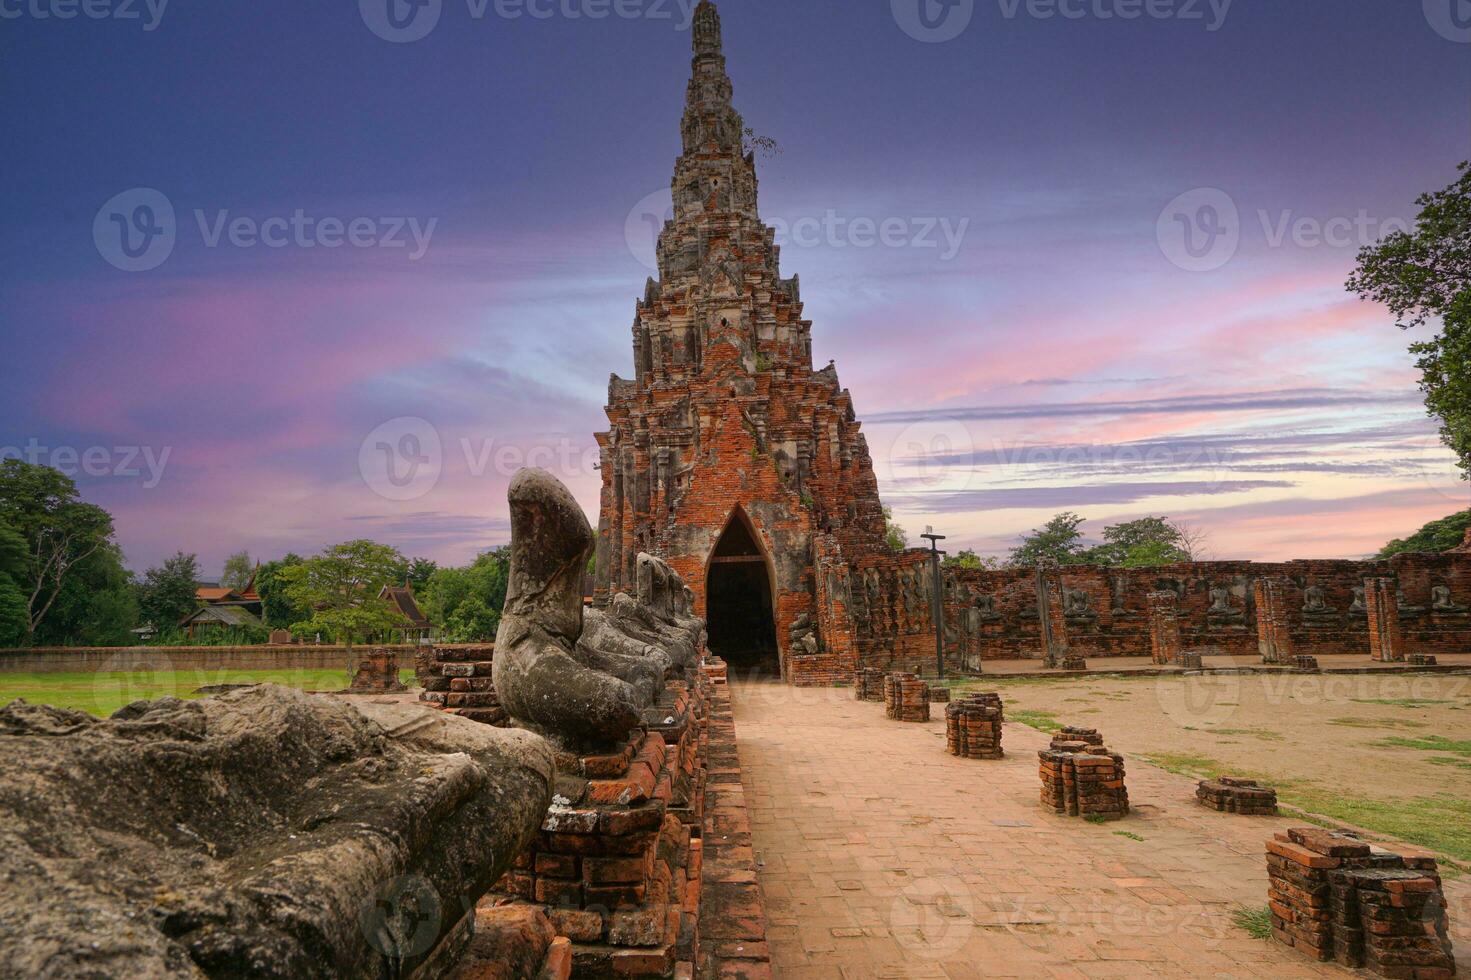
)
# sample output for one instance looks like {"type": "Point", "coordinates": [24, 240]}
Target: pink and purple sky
{"type": "Point", "coordinates": [990, 230]}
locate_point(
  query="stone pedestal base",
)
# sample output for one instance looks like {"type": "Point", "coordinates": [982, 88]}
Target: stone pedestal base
{"type": "Point", "coordinates": [458, 680]}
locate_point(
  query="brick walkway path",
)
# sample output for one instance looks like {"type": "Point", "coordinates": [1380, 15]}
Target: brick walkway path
{"type": "Point", "coordinates": [881, 856]}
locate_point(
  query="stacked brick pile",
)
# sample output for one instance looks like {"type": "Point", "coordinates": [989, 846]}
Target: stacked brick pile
{"type": "Point", "coordinates": [868, 684]}
{"type": "Point", "coordinates": [457, 679]}
{"type": "Point", "coordinates": [1074, 661]}
{"type": "Point", "coordinates": [939, 695]}
{"type": "Point", "coordinates": [906, 698]}
{"type": "Point", "coordinates": [715, 669]}
{"type": "Point", "coordinates": [1333, 897]}
{"type": "Point", "coordinates": [973, 727]}
{"type": "Point", "coordinates": [1191, 660]}
{"type": "Point", "coordinates": [1231, 794]}
{"type": "Point", "coordinates": [1422, 660]}
{"type": "Point", "coordinates": [1088, 736]}
{"type": "Point", "coordinates": [1303, 662]}
{"type": "Point", "coordinates": [376, 673]}
{"type": "Point", "coordinates": [615, 865]}
{"type": "Point", "coordinates": [1083, 780]}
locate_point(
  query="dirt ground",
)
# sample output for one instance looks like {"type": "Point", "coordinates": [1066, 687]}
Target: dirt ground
{"type": "Point", "coordinates": [1339, 742]}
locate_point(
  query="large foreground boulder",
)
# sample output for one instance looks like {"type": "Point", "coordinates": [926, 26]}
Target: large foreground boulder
{"type": "Point", "coordinates": [262, 833]}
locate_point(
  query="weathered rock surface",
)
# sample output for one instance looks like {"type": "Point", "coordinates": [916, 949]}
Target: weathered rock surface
{"type": "Point", "coordinates": [262, 833]}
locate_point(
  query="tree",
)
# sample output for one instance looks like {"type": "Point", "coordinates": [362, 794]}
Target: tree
{"type": "Point", "coordinates": [1193, 539]}
{"type": "Point", "coordinates": [1423, 275]}
{"type": "Point", "coordinates": [419, 572]}
{"type": "Point", "coordinates": [277, 610]}
{"type": "Point", "coordinates": [1143, 543]}
{"type": "Point", "coordinates": [1434, 538]}
{"type": "Point", "coordinates": [1058, 542]}
{"type": "Point", "coordinates": [167, 593]}
{"type": "Point", "coordinates": [13, 616]}
{"type": "Point", "coordinates": [61, 533]}
{"type": "Point", "coordinates": [894, 536]}
{"type": "Point", "coordinates": [238, 570]}
{"type": "Point", "coordinates": [339, 591]}
{"type": "Point", "coordinates": [467, 602]}
{"type": "Point", "coordinates": [969, 559]}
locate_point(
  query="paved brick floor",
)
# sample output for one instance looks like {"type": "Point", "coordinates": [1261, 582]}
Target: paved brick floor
{"type": "Point", "coordinates": [881, 856]}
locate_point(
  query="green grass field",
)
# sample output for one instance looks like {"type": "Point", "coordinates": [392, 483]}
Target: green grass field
{"type": "Point", "coordinates": [103, 693]}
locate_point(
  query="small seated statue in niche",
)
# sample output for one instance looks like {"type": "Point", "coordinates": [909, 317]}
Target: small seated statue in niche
{"type": "Point", "coordinates": [985, 607]}
{"type": "Point", "coordinates": [1441, 601]}
{"type": "Point", "coordinates": [1360, 606]}
{"type": "Point", "coordinates": [1220, 607]}
{"type": "Point", "coordinates": [1315, 602]}
{"type": "Point", "coordinates": [1076, 604]}
{"type": "Point", "coordinates": [1405, 608]}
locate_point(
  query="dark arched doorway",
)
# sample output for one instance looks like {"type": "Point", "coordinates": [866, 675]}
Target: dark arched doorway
{"type": "Point", "coordinates": [738, 604]}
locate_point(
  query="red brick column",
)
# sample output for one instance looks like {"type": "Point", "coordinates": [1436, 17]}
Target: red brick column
{"type": "Point", "coordinates": [1052, 612]}
{"type": "Point", "coordinates": [1273, 638]}
{"type": "Point", "coordinates": [1164, 626]}
{"type": "Point", "coordinates": [1381, 600]}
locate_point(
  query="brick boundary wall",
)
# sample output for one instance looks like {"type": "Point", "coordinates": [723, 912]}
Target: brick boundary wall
{"type": "Point", "coordinates": [58, 660]}
{"type": "Point", "coordinates": [992, 614]}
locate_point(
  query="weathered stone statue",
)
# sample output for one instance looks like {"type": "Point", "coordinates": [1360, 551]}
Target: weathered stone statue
{"type": "Point", "coordinates": [546, 679]}
{"type": "Point", "coordinates": [261, 833]}
{"type": "Point", "coordinates": [1315, 602]}
{"type": "Point", "coordinates": [1441, 601]}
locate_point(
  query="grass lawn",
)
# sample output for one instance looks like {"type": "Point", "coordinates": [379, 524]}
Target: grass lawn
{"type": "Point", "coordinates": [103, 693]}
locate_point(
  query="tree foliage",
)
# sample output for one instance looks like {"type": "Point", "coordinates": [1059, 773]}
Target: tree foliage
{"type": "Point", "coordinates": [65, 540]}
{"type": "Point", "coordinates": [1423, 275]}
{"type": "Point", "coordinates": [238, 569]}
{"type": "Point", "coordinates": [969, 559]}
{"type": "Point", "coordinates": [894, 536]}
{"type": "Point", "coordinates": [277, 610]}
{"type": "Point", "coordinates": [1433, 538]}
{"type": "Point", "coordinates": [1144, 543]}
{"type": "Point", "coordinates": [338, 591]}
{"type": "Point", "coordinates": [467, 602]}
{"type": "Point", "coordinates": [167, 593]}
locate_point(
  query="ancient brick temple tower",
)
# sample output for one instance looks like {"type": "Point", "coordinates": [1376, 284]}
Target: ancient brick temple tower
{"type": "Point", "coordinates": [727, 454]}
